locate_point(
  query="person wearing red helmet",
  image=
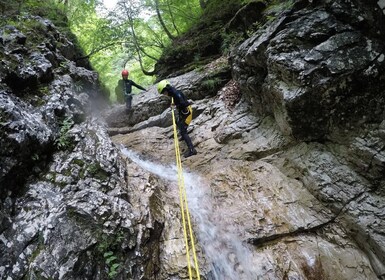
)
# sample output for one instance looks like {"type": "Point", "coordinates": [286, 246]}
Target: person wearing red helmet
{"type": "Point", "coordinates": [124, 89]}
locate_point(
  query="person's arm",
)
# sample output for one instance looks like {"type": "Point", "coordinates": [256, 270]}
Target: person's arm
{"type": "Point", "coordinates": [138, 86]}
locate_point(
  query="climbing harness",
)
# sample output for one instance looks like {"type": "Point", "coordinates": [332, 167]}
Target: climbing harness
{"type": "Point", "coordinates": [183, 204]}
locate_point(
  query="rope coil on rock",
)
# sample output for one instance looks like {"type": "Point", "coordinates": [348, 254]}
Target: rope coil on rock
{"type": "Point", "coordinates": [187, 228]}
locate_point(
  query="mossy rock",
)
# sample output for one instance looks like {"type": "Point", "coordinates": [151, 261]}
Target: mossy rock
{"type": "Point", "coordinates": [221, 22]}
{"type": "Point", "coordinates": [98, 172]}
{"type": "Point", "coordinates": [201, 42]}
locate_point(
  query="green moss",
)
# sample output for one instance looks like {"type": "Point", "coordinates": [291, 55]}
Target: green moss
{"type": "Point", "coordinates": [47, 9]}
{"type": "Point", "coordinates": [16, 14]}
{"type": "Point", "coordinates": [39, 247]}
{"type": "Point", "coordinates": [51, 177]}
{"type": "Point", "coordinates": [230, 40]}
{"type": "Point", "coordinates": [97, 172]}
{"type": "Point", "coordinates": [189, 50]}
{"type": "Point", "coordinates": [82, 173]}
{"type": "Point", "coordinates": [36, 96]}
{"type": "Point", "coordinates": [221, 10]}
{"type": "Point", "coordinates": [79, 162]}
{"type": "Point", "coordinates": [94, 168]}
{"type": "Point", "coordinates": [276, 6]}
{"type": "Point", "coordinates": [211, 84]}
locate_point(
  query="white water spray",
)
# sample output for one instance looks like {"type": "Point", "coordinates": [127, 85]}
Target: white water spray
{"type": "Point", "coordinates": [228, 257]}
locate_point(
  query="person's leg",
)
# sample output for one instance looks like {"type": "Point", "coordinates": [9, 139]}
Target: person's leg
{"type": "Point", "coordinates": [128, 101]}
{"type": "Point", "coordinates": [182, 126]}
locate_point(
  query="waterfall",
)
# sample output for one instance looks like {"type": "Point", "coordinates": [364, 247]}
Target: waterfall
{"type": "Point", "coordinates": [228, 257]}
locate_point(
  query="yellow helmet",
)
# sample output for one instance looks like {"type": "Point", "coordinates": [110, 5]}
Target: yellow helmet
{"type": "Point", "coordinates": [162, 85]}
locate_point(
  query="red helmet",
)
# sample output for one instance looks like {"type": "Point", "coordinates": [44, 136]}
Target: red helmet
{"type": "Point", "coordinates": [125, 73]}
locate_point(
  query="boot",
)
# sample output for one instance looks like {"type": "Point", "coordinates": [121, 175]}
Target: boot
{"type": "Point", "coordinates": [191, 150]}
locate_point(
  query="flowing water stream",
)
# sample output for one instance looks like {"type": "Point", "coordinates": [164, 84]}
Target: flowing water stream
{"type": "Point", "coordinates": [228, 257]}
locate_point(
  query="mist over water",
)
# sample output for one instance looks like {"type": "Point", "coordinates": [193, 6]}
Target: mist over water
{"type": "Point", "coordinates": [229, 259]}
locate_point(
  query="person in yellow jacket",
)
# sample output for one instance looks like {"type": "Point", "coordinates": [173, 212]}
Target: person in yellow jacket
{"type": "Point", "coordinates": [184, 110]}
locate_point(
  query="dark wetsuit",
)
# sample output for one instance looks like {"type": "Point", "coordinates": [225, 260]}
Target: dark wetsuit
{"type": "Point", "coordinates": [185, 113]}
{"type": "Point", "coordinates": [125, 88]}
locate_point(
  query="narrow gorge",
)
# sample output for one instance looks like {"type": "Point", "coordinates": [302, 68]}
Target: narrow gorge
{"type": "Point", "coordinates": [288, 182]}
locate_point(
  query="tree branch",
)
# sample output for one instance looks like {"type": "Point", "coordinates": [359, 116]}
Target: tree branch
{"type": "Point", "coordinates": [169, 35]}
{"type": "Point", "coordinates": [97, 50]}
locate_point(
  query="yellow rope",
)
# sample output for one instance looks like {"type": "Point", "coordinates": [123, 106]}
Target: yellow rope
{"type": "Point", "coordinates": [184, 205]}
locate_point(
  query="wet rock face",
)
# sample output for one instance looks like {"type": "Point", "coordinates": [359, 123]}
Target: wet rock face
{"type": "Point", "coordinates": [37, 97]}
{"type": "Point", "coordinates": [292, 177]}
{"type": "Point", "coordinates": [315, 69]}
{"type": "Point", "coordinates": [263, 201]}
{"type": "Point", "coordinates": [77, 220]}
{"type": "Point", "coordinates": [23, 138]}
{"type": "Point", "coordinates": [24, 67]}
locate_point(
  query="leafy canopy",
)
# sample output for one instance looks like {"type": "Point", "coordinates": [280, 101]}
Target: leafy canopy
{"type": "Point", "coordinates": [133, 35]}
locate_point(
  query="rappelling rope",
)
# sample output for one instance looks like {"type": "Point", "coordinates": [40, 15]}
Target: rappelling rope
{"type": "Point", "coordinates": [183, 203]}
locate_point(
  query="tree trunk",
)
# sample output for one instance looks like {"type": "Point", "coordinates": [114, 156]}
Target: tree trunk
{"type": "Point", "coordinates": [172, 17]}
{"type": "Point", "coordinates": [137, 48]}
{"type": "Point", "coordinates": [169, 35]}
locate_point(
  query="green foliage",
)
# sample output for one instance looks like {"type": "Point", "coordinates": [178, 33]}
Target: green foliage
{"type": "Point", "coordinates": [64, 65]}
{"type": "Point", "coordinates": [107, 247]}
{"type": "Point", "coordinates": [107, 37]}
{"type": "Point", "coordinates": [229, 40]}
{"type": "Point", "coordinates": [211, 84]}
{"type": "Point", "coordinates": [221, 10]}
{"type": "Point", "coordinates": [44, 90]}
{"type": "Point", "coordinates": [10, 8]}
{"type": "Point", "coordinates": [64, 141]}
{"type": "Point", "coordinates": [53, 10]}
{"type": "Point", "coordinates": [110, 259]}
{"type": "Point", "coordinates": [29, 26]}
{"type": "Point", "coordinates": [276, 6]}
{"type": "Point", "coordinates": [110, 40]}
{"type": "Point", "coordinates": [49, 9]}
{"type": "Point", "coordinates": [36, 96]}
